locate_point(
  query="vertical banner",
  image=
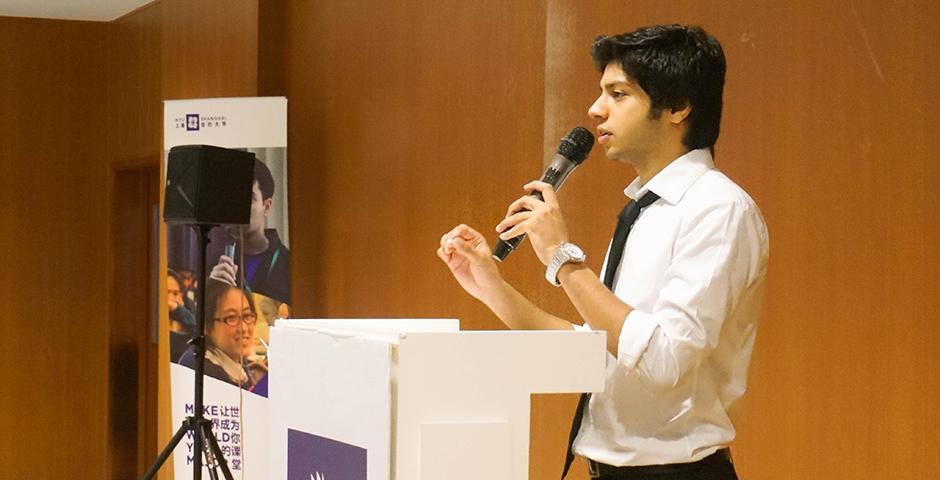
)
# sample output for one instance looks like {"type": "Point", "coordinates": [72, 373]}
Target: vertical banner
{"type": "Point", "coordinates": [247, 285]}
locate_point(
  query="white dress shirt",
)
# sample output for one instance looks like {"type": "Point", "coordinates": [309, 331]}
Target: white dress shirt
{"type": "Point", "coordinates": [693, 270]}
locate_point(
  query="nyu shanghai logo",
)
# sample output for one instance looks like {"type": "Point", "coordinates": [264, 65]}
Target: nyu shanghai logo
{"type": "Point", "coordinates": [194, 122]}
{"type": "Point", "coordinates": [312, 457]}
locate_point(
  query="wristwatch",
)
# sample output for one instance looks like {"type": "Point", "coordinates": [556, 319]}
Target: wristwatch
{"type": "Point", "coordinates": [567, 253]}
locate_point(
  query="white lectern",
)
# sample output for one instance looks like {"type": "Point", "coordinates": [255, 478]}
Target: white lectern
{"type": "Point", "coordinates": [415, 399]}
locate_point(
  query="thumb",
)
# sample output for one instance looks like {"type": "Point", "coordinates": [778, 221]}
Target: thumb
{"type": "Point", "coordinates": [475, 249]}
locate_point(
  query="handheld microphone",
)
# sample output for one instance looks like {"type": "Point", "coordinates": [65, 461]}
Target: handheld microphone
{"type": "Point", "coordinates": [573, 149]}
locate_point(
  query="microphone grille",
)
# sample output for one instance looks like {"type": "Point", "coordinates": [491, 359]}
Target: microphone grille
{"type": "Point", "coordinates": [576, 145]}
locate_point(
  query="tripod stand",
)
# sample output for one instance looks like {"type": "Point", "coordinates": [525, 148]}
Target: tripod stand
{"type": "Point", "coordinates": [204, 441]}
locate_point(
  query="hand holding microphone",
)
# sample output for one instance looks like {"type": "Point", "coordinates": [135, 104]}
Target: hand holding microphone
{"type": "Point", "coordinates": [538, 217]}
{"type": "Point", "coordinates": [465, 250]}
{"type": "Point", "coordinates": [573, 149]}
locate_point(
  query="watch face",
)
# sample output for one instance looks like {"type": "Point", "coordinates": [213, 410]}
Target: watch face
{"type": "Point", "coordinates": [573, 250]}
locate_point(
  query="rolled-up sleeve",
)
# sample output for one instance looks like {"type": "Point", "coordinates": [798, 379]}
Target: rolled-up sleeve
{"type": "Point", "coordinates": [635, 337]}
{"type": "Point", "coordinates": [713, 262]}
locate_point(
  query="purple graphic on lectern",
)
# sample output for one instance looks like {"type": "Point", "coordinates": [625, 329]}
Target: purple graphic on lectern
{"type": "Point", "coordinates": [311, 456]}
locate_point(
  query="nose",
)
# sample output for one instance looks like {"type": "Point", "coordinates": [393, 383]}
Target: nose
{"type": "Point", "coordinates": [597, 110]}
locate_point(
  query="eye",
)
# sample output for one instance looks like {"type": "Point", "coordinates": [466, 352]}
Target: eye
{"type": "Point", "coordinates": [618, 94]}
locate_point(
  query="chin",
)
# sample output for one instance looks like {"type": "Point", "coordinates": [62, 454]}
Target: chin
{"type": "Point", "coordinates": [616, 156]}
{"type": "Point", "coordinates": [625, 157]}
{"type": "Point", "coordinates": [613, 152]}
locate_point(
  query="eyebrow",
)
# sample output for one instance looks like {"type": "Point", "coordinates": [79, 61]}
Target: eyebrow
{"type": "Point", "coordinates": [615, 83]}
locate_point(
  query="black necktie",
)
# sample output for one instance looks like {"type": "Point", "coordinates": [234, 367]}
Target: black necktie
{"type": "Point", "coordinates": [625, 222]}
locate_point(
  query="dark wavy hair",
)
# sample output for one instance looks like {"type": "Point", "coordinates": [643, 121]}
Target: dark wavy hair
{"type": "Point", "coordinates": [676, 65]}
{"type": "Point", "coordinates": [176, 276]}
{"type": "Point", "coordinates": [265, 179]}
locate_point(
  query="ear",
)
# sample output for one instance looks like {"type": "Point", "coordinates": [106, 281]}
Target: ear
{"type": "Point", "coordinates": [268, 205]}
{"type": "Point", "coordinates": [678, 115]}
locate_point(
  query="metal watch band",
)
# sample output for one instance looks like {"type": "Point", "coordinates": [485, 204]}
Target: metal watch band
{"type": "Point", "coordinates": [566, 253]}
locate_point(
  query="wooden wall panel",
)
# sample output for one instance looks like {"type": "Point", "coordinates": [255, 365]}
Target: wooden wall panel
{"type": "Point", "coordinates": [133, 141]}
{"type": "Point", "coordinates": [135, 87]}
{"type": "Point", "coordinates": [825, 124]}
{"type": "Point", "coordinates": [210, 48]}
{"type": "Point", "coordinates": [404, 121]}
{"type": "Point", "coordinates": [80, 106]}
{"type": "Point", "coordinates": [131, 372]}
{"type": "Point", "coordinates": [53, 230]}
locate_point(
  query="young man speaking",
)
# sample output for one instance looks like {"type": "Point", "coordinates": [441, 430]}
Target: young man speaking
{"type": "Point", "coordinates": [680, 290]}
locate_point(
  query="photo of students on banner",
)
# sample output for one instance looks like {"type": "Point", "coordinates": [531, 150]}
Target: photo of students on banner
{"type": "Point", "coordinates": [230, 326]}
{"type": "Point", "coordinates": [182, 313]}
{"type": "Point", "coordinates": [247, 286]}
{"type": "Point", "coordinates": [267, 259]}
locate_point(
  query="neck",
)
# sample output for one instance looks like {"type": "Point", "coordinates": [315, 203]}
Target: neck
{"type": "Point", "coordinates": [256, 242]}
{"type": "Point", "coordinates": [236, 360]}
{"type": "Point", "coordinates": [655, 163]}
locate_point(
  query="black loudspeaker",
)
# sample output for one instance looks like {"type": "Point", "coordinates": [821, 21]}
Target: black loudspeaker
{"type": "Point", "coordinates": [208, 185]}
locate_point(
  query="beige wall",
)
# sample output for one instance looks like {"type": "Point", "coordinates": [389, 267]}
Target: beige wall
{"type": "Point", "coordinates": [408, 117]}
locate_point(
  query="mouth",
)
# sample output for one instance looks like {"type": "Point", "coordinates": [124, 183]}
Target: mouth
{"type": "Point", "coordinates": [603, 136]}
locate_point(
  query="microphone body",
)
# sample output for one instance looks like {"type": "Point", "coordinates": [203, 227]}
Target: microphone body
{"type": "Point", "coordinates": [574, 148]}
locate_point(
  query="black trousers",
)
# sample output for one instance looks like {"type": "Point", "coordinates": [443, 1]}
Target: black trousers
{"type": "Point", "coordinates": [716, 466]}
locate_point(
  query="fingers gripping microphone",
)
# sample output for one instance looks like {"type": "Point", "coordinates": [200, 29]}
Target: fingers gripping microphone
{"type": "Point", "coordinates": [572, 150]}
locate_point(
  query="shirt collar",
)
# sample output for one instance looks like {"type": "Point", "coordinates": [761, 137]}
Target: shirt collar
{"type": "Point", "coordinates": [672, 182]}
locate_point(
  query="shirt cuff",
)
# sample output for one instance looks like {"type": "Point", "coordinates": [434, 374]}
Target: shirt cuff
{"type": "Point", "coordinates": [635, 336]}
{"type": "Point", "coordinates": [582, 328]}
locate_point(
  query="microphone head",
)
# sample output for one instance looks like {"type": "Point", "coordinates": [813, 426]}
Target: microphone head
{"type": "Point", "coordinates": [576, 145]}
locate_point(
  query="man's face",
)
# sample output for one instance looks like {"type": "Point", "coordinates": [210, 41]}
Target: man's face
{"type": "Point", "coordinates": [626, 130]}
{"type": "Point", "coordinates": [260, 208]}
